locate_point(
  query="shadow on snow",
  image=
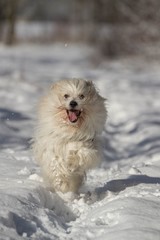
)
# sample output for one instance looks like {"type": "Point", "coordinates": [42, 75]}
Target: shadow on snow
{"type": "Point", "coordinates": [11, 126]}
{"type": "Point", "coordinates": [119, 185]}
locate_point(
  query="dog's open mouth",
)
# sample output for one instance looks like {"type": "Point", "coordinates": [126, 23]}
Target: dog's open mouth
{"type": "Point", "coordinates": [73, 115]}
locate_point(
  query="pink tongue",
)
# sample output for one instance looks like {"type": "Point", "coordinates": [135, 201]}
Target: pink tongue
{"type": "Point", "coordinates": [72, 116]}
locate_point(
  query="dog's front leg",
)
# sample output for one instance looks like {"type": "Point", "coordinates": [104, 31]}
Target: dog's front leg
{"type": "Point", "coordinates": [82, 160]}
{"type": "Point", "coordinates": [73, 161]}
{"type": "Point", "coordinates": [88, 158]}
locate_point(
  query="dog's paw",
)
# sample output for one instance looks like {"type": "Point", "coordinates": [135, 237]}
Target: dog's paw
{"type": "Point", "coordinates": [73, 152]}
{"type": "Point", "coordinates": [73, 161]}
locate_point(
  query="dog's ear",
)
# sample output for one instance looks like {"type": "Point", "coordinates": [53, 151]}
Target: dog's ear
{"type": "Point", "coordinates": [53, 86]}
{"type": "Point", "coordinates": [89, 83]}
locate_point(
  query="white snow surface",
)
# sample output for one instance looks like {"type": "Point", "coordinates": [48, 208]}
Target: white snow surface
{"type": "Point", "coordinates": [120, 200]}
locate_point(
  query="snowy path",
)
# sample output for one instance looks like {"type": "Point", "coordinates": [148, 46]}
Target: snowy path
{"type": "Point", "coordinates": [126, 189]}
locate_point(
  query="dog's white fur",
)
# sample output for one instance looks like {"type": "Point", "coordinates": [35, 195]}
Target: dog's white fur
{"type": "Point", "coordinates": [64, 149]}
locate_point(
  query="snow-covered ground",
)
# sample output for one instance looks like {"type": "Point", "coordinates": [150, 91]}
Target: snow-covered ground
{"type": "Point", "coordinates": [125, 190]}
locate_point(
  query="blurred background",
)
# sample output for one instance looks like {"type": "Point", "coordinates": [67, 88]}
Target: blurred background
{"type": "Point", "coordinates": [116, 28]}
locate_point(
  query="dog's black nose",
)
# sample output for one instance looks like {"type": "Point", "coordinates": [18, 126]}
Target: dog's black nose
{"type": "Point", "coordinates": [73, 104]}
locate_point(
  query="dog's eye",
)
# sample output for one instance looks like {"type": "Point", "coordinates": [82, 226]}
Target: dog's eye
{"type": "Point", "coordinates": [66, 96]}
{"type": "Point", "coordinates": [81, 96]}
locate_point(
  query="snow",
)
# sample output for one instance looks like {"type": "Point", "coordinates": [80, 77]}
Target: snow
{"type": "Point", "coordinates": [120, 200]}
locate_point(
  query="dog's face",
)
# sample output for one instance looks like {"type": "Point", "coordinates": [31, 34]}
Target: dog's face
{"type": "Point", "coordinates": [74, 96]}
{"type": "Point", "coordinates": [77, 102]}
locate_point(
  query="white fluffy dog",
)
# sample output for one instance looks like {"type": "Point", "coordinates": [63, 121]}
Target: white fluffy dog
{"type": "Point", "coordinates": [70, 118]}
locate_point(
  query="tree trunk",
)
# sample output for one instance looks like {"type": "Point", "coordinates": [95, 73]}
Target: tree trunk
{"type": "Point", "coordinates": [11, 21]}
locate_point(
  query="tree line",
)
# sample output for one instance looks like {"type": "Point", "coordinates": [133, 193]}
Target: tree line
{"type": "Point", "coordinates": [139, 15]}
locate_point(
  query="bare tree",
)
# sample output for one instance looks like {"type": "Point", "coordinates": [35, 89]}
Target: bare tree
{"type": "Point", "coordinates": [11, 15]}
